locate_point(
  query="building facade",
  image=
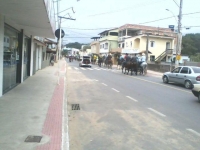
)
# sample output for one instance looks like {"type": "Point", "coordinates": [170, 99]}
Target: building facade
{"type": "Point", "coordinates": [20, 52]}
{"type": "Point", "coordinates": [108, 41]}
{"type": "Point", "coordinates": [133, 39]}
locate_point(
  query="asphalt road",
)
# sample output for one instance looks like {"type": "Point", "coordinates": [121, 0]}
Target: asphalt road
{"type": "Point", "coordinates": [123, 112]}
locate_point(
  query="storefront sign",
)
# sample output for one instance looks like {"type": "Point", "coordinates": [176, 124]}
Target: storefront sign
{"type": "Point", "coordinates": [130, 51]}
{"type": "Point", "coordinates": [103, 51]}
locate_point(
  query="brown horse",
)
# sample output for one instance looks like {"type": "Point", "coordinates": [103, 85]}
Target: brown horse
{"type": "Point", "coordinates": [131, 64]}
{"type": "Point", "coordinates": [108, 62]}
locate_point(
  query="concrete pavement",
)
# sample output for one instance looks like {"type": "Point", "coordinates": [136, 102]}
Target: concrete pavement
{"type": "Point", "coordinates": [34, 108]}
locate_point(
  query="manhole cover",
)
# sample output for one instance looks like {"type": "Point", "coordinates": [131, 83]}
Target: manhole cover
{"type": "Point", "coordinates": [75, 107]}
{"type": "Point", "coordinates": [32, 138]}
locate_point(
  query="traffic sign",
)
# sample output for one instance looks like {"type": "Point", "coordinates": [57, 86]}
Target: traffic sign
{"type": "Point", "coordinates": [57, 33]}
{"type": "Point", "coordinates": [178, 57]}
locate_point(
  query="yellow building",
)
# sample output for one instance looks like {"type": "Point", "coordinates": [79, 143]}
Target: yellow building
{"type": "Point", "coordinates": [95, 45]}
{"type": "Point", "coordinates": [133, 39]}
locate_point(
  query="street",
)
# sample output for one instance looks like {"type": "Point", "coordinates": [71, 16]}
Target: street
{"type": "Point", "coordinates": [123, 112]}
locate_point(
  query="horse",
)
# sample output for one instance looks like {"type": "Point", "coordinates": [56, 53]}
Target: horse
{"type": "Point", "coordinates": [100, 60]}
{"type": "Point", "coordinates": [130, 64]}
{"type": "Point", "coordinates": [142, 68]}
{"type": "Point", "coordinates": [108, 62]}
{"type": "Point", "coordinates": [119, 63]}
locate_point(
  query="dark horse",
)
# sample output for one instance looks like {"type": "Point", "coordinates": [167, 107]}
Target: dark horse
{"type": "Point", "coordinates": [130, 64]}
{"type": "Point", "coordinates": [108, 62]}
{"type": "Point", "coordinates": [119, 63]}
{"type": "Point", "coordinates": [100, 60]}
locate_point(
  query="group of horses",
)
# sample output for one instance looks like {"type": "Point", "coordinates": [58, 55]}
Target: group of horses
{"type": "Point", "coordinates": [132, 64]}
{"type": "Point", "coordinates": [104, 61]}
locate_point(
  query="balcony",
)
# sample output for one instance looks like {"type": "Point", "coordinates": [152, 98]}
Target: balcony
{"type": "Point", "coordinates": [36, 17]}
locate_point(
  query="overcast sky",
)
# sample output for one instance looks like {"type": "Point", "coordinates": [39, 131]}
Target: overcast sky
{"type": "Point", "coordinates": [97, 14]}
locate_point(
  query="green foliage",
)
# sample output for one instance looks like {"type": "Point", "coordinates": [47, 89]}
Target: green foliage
{"type": "Point", "coordinates": [74, 45]}
{"type": "Point", "coordinates": [190, 44]}
{"type": "Point", "coordinates": [64, 53]}
{"type": "Point", "coordinates": [195, 58]}
{"type": "Point", "coordinates": [86, 47]}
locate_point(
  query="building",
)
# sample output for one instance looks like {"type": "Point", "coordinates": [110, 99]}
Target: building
{"type": "Point", "coordinates": [95, 45]}
{"type": "Point", "coordinates": [133, 39]}
{"type": "Point", "coordinates": [108, 41]}
{"type": "Point", "coordinates": [21, 54]}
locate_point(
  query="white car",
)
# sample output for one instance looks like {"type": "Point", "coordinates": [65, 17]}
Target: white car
{"type": "Point", "coordinates": [185, 75]}
{"type": "Point", "coordinates": [196, 91]}
{"type": "Point", "coordinates": [85, 61]}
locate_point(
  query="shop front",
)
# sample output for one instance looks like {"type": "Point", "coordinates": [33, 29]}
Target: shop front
{"type": "Point", "coordinates": [10, 58]}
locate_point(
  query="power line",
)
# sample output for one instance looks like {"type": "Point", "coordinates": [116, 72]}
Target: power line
{"type": "Point", "coordinates": [127, 8]}
{"type": "Point", "coordinates": [91, 29]}
{"type": "Point", "coordinates": [176, 3]}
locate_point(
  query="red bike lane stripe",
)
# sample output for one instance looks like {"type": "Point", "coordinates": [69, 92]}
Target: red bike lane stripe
{"type": "Point", "coordinates": [53, 123]}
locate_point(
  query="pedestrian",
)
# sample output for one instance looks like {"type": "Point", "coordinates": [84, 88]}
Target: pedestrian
{"type": "Point", "coordinates": [52, 60]}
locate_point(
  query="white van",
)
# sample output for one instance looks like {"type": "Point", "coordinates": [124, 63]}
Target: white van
{"type": "Point", "coordinates": [85, 61]}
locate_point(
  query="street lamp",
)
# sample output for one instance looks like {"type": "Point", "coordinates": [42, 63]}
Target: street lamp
{"type": "Point", "coordinates": [172, 14]}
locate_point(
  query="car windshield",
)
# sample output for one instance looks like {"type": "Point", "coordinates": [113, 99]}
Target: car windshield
{"type": "Point", "coordinates": [196, 69]}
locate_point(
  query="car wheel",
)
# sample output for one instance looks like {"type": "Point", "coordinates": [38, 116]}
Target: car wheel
{"type": "Point", "coordinates": [188, 84]}
{"type": "Point", "coordinates": [165, 79]}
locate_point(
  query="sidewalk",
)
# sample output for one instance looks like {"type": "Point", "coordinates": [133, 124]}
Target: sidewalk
{"type": "Point", "coordinates": [34, 108]}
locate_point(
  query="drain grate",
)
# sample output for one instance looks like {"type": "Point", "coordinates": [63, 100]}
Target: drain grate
{"type": "Point", "coordinates": [32, 138]}
{"type": "Point", "coordinates": [75, 107]}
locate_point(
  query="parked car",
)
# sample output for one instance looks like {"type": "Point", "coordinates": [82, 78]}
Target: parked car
{"type": "Point", "coordinates": [85, 61]}
{"type": "Point", "coordinates": [185, 75]}
{"type": "Point", "coordinates": [196, 91]}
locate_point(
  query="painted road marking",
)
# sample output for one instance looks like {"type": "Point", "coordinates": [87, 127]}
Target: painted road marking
{"type": "Point", "coordinates": [97, 69]}
{"type": "Point", "coordinates": [131, 98]}
{"type": "Point", "coordinates": [95, 80]}
{"type": "Point", "coordinates": [156, 112]}
{"type": "Point", "coordinates": [76, 68]}
{"type": "Point", "coordinates": [90, 69]}
{"type": "Point", "coordinates": [115, 90]}
{"type": "Point", "coordinates": [83, 68]}
{"type": "Point", "coordinates": [104, 84]}
{"type": "Point", "coordinates": [160, 84]}
{"type": "Point", "coordinates": [69, 68]}
{"type": "Point", "coordinates": [194, 132]}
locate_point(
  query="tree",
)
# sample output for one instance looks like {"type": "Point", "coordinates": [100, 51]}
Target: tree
{"type": "Point", "coordinates": [86, 47]}
{"type": "Point", "coordinates": [74, 45]}
{"type": "Point", "coordinates": [191, 44]}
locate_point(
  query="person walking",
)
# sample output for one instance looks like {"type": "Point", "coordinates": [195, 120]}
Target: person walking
{"type": "Point", "coordinates": [52, 60]}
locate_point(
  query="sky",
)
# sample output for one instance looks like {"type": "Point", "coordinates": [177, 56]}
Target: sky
{"type": "Point", "coordinates": [100, 15]}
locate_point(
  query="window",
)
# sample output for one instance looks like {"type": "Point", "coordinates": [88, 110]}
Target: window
{"type": "Point", "coordinates": [114, 33]}
{"type": "Point", "coordinates": [106, 45]}
{"type": "Point", "coordinates": [152, 43]}
{"type": "Point", "coordinates": [152, 58]}
{"type": "Point", "coordinates": [184, 70]}
{"type": "Point", "coordinates": [196, 70]}
{"type": "Point", "coordinates": [131, 43]}
{"type": "Point", "coordinates": [119, 45]}
{"type": "Point", "coordinates": [190, 71]}
{"type": "Point", "coordinates": [122, 45]}
{"type": "Point", "coordinates": [176, 70]}
{"type": "Point", "coordinates": [168, 45]}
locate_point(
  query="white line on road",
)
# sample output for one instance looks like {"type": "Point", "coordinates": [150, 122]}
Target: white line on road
{"type": "Point", "coordinates": [69, 68]}
{"type": "Point", "coordinates": [97, 69]}
{"type": "Point", "coordinates": [194, 132]}
{"type": "Point", "coordinates": [96, 80]}
{"type": "Point", "coordinates": [160, 84]}
{"type": "Point", "coordinates": [156, 112]}
{"type": "Point", "coordinates": [90, 69]}
{"type": "Point", "coordinates": [115, 90]}
{"type": "Point", "coordinates": [104, 84]}
{"type": "Point", "coordinates": [132, 98]}
{"type": "Point", "coordinates": [83, 68]}
{"type": "Point", "coordinates": [76, 68]}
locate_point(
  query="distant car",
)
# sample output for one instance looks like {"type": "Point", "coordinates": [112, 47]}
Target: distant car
{"type": "Point", "coordinates": [185, 75]}
{"type": "Point", "coordinates": [196, 91]}
{"type": "Point", "coordinates": [85, 61]}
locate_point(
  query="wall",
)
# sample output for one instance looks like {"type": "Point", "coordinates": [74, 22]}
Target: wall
{"type": "Point", "coordinates": [160, 67]}
{"type": "Point", "coordinates": [1, 52]}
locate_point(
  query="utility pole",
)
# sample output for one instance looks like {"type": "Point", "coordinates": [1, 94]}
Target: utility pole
{"type": "Point", "coordinates": [179, 34]}
{"type": "Point", "coordinates": [147, 47]}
